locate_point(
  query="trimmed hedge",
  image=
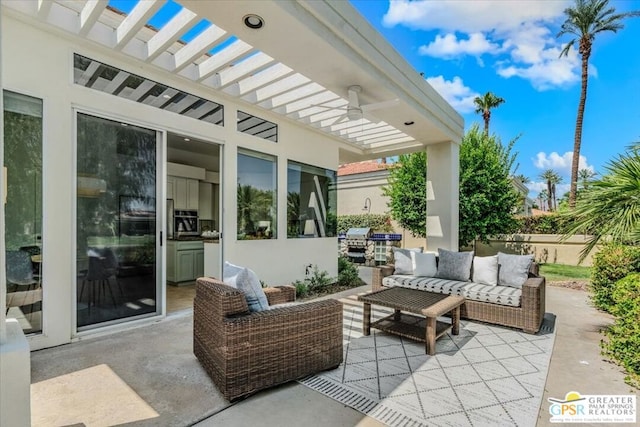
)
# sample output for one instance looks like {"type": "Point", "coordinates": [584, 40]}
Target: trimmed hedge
{"type": "Point", "coordinates": [542, 224]}
{"type": "Point", "coordinates": [377, 222]}
{"type": "Point", "coordinates": [612, 263]}
{"type": "Point", "coordinates": [624, 335]}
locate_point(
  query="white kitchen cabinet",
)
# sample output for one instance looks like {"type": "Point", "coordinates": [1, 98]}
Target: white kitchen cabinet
{"type": "Point", "coordinates": [171, 185]}
{"type": "Point", "coordinates": [193, 191]}
{"type": "Point", "coordinates": [184, 192]}
{"type": "Point", "coordinates": [205, 208]}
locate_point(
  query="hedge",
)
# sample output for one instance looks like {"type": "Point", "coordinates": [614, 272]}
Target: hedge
{"type": "Point", "coordinates": [377, 222]}
{"type": "Point", "coordinates": [624, 335]}
{"type": "Point", "coordinates": [612, 263]}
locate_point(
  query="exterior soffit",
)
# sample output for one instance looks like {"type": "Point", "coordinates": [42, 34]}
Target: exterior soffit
{"type": "Point", "coordinates": [299, 65]}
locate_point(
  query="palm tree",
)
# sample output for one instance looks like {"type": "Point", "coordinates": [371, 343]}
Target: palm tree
{"type": "Point", "coordinates": [585, 176]}
{"type": "Point", "coordinates": [543, 197]}
{"type": "Point", "coordinates": [552, 178]}
{"type": "Point", "coordinates": [523, 179]}
{"type": "Point", "coordinates": [484, 104]}
{"type": "Point", "coordinates": [610, 207]}
{"type": "Point", "coordinates": [584, 20]}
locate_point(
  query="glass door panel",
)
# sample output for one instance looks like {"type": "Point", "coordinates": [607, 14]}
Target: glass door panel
{"type": "Point", "coordinates": [23, 209]}
{"type": "Point", "coordinates": [116, 221]}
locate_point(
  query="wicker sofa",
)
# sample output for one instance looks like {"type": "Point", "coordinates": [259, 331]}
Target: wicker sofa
{"type": "Point", "coordinates": [527, 316]}
{"type": "Point", "coordinates": [244, 352]}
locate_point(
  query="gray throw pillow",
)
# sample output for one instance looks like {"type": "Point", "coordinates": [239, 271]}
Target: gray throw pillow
{"type": "Point", "coordinates": [514, 269]}
{"type": "Point", "coordinates": [454, 265]}
{"type": "Point", "coordinates": [246, 281]}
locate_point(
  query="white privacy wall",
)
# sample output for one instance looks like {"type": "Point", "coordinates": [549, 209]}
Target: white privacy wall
{"type": "Point", "coordinates": [39, 63]}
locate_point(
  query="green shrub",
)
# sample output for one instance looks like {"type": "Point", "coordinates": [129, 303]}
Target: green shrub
{"type": "Point", "coordinates": [377, 222]}
{"type": "Point", "coordinates": [624, 335]}
{"type": "Point", "coordinates": [302, 289]}
{"type": "Point", "coordinates": [348, 274]}
{"type": "Point", "coordinates": [319, 281]}
{"type": "Point", "coordinates": [612, 263]}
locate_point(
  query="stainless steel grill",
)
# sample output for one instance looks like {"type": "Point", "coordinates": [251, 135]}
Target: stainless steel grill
{"type": "Point", "coordinates": [356, 240]}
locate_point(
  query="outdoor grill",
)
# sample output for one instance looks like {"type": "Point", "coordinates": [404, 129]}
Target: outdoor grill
{"type": "Point", "coordinates": [356, 240]}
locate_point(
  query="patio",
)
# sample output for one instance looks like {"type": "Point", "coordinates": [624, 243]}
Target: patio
{"type": "Point", "coordinates": [575, 365]}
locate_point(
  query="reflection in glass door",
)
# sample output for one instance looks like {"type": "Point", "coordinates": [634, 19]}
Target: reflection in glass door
{"type": "Point", "coordinates": [116, 221]}
{"type": "Point", "coordinates": [23, 209]}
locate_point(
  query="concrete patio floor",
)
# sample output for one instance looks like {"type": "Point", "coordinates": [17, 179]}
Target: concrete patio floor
{"type": "Point", "coordinates": [576, 365]}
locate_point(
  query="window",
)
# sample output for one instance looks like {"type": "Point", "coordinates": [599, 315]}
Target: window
{"type": "Point", "coordinates": [105, 78]}
{"type": "Point", "coordinates": [257, 196]}
{"type": "Point", "coordinates": [23, 209]}
{"type": "Point", "coordinates": [311, 201]}
{"type": "Point", "coordinates": [257, 127]}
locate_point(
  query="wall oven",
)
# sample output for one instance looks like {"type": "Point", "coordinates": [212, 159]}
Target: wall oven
{"type": "Point", "coordinates": [185, 223]}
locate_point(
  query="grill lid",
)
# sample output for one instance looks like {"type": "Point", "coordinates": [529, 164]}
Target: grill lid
{"type": "Point", "coordinates": [359, 233]}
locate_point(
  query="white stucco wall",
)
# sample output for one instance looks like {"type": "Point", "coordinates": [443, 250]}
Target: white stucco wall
{"type": "Point", "coordinates": [41, 65]}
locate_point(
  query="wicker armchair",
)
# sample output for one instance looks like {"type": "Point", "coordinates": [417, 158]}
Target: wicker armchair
{"type": "Point", "coordinates": [244, 352]}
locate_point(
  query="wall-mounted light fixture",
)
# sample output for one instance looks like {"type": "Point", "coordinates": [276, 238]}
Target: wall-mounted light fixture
{"type": "Point", "coordinates": [367, 205]}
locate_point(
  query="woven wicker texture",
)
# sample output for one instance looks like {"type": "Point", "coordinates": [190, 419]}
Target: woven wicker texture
{"type": "Point", "coordinates": [246, 352]}
{"type": "Point", "coordinates": [528, 316]}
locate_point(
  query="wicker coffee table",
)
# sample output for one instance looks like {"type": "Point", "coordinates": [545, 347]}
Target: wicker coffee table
{"type": "Point", "coordinates": [428, 304]}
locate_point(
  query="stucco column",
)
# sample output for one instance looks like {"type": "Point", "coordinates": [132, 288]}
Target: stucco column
{"type": "Point", "coordinates": [3, 287]}
{"type": "Point", "coordinates": [15, 362]}
{"type": "Point", "coordinates": [443, 192]}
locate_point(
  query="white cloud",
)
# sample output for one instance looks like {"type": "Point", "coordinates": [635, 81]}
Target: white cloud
{"type": "Point", "coordinates": [560, 163]}
{"type": "Point", "coordinates": [449, 46]}
{"type": "Point", "coordinates": [470, 16]}
{"type": "Point", "coordinates": [536, 187]}
{"type": "Point", "coordinates": [455, 92]}
{"type": "Point", "coordinates": [517, 33]}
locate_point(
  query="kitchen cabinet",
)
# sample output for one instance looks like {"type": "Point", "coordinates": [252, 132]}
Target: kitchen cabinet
{"type": "Point", "coordinates": [185, 260]}
{"type": "Point", "coordinates": [205, 208]}
{"type": "Point", "coordinates": [185, 192]}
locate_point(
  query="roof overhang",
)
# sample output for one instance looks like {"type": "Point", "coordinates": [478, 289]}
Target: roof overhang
{"type": "Point", "coordinates": [307, 54]}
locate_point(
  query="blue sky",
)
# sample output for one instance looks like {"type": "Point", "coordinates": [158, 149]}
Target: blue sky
{"type": "Point", "coordinates": [508, 47]}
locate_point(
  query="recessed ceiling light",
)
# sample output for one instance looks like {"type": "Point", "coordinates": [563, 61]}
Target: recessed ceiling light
{"type": "Point", "coordinates": [187, 140]}
{"type": "Point", "coordinates": [253, 21]}
{"type": "Point", "coordinates": [166, 96]}
{"type": "Point", "coordinates": [409, 123]}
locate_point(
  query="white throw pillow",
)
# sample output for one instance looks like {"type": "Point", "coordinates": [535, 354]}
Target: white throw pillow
{"type": "Point", "coordinates": [425, 264]}
{"type": "Point", "coordinates": [404, 261]}
{"type": "Point", "coordinates": [485, 270]}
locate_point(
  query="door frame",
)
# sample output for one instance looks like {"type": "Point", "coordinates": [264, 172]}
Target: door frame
{"type": "Point", "coordinates": [161, 173]}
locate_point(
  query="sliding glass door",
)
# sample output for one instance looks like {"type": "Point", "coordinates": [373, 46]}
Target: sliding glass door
{"type": "Point", "coordinates": [117, 223]}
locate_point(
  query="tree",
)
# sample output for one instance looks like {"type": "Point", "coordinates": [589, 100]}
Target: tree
{"type": "Point", "coordinates": [523, 179]}
{"type": "Point", "coordinates": [487, 196]}
{"type": "Point", "coordinates": [484, 104]}
{"type": "Point", "coordinates": [610, 206]}
{"type": "Point", "coordinates": [584, 20]}
{"type": "Point", "coordinates": [585, 176]}
{"type": "Point", "coordinates": [551, 178]}
{"type": "Point", "coordinates": [543, 196]}
{"type": "Point", "coordinates": [407, 192]}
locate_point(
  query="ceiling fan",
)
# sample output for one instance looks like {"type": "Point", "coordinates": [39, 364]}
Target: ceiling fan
{"type": "Point", "coordinates": [356, 111]}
